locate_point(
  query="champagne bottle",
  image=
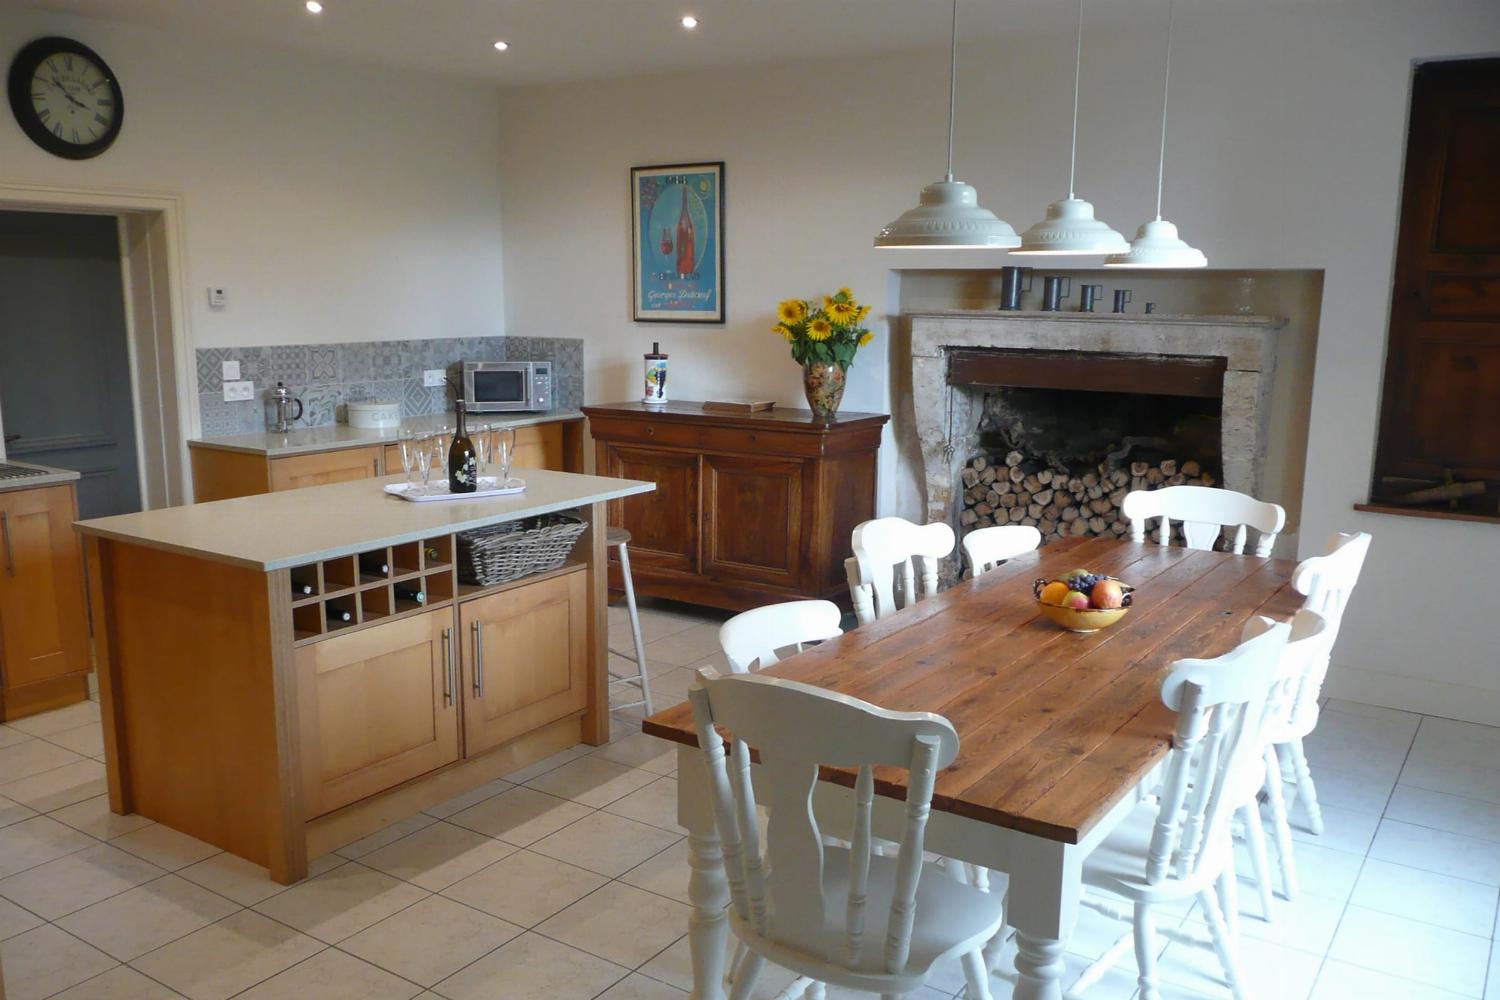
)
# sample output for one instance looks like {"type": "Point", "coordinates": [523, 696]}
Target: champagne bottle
{"type": "Point", "coordinates": [371, 564]}
{"type": "Point", "coordinates": [410, 594]}
{"type": "Point", "coordinates": [338, 617]}
{"type": "Point", "coordinates": [301, 589]}
{"type": "Point", "coordinates": [463, 469]}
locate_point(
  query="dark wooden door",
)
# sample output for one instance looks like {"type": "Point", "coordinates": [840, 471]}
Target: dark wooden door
{"type": "Point", "coordinates": [1440, 409]}
{"type": "Point", "coordinates": [753, 520]}
{"type": "Point", "coordinates": [663, 524]}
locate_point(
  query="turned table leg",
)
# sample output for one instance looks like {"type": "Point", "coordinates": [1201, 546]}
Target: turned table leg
{"type": "Point", "coordinates": [708, 924]}
{"type": "Point", "coordinates": [1045, 884]}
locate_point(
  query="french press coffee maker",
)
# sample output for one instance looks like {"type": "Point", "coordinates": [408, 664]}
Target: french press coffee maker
{"type": "Point", "coordinates": [284, 400]}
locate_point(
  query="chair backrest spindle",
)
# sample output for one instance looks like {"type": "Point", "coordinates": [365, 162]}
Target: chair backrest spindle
{"type": "Point", "coordinates": [885, 551]}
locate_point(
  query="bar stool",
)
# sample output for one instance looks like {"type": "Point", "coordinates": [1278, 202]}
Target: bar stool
{"type": "Point", "coordinates": [620, 537]}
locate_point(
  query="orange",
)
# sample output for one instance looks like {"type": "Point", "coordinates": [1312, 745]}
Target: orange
{"type": "Point", "coordinates": [1054, 592]}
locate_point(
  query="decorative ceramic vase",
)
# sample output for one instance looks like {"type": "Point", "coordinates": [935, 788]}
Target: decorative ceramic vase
{"type": "Point", "coordinates": [823, 381]}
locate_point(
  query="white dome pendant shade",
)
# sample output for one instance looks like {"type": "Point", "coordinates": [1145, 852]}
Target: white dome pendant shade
{"type": "Point", "coordinates": [1156, 243]}
{"type": "Point", "coordinates": [1070, 228]}
{"type": "Point", "coordinates": [948, 214]}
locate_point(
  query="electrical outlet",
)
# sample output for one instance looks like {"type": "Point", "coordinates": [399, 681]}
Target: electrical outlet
{"type": "Point", "coordinates": [434, 377]}
{"type": "Point", "coordinates": [238, 390]}
{"type": "Point", "coordinates": [231, 371]}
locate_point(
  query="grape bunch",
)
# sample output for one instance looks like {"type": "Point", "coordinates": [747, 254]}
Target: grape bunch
{"type": "Point", "coordinates": [1084, 582]}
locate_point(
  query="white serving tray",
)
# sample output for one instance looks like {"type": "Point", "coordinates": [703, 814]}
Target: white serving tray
{"type": "Point", "coordinates": [489, 486]}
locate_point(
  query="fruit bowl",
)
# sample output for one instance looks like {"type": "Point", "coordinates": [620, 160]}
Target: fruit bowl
{"type": "Point", "coordinates": [1085, 619]}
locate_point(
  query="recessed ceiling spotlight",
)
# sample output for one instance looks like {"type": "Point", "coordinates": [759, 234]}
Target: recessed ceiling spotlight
{"type": "Point", "coordinates": [690, 22]}
{"type": "Point", "coordinates": [501, 46]}
{"type": "Point", "coordinates": [313, 7]}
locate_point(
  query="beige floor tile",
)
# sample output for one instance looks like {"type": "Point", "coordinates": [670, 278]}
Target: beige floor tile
{"type": "Point", "coordinates": [459, 803]}
{"type": "Point", "coordinates": [245, 882]}
{"type": "Point", "coordinates": [345, 901]}
{"type": "Point", "coordinates": [691, 645]}
{"type": "Point", "coordinates": [640, 750]}
{"type": "Point", "coordinates": [1341, 981]}
{"type": "Point", "coordinates": [61, 786]}
{"type": "Point", "coordinates": [604, 843]}
{"type": "Point", "coordinates": [58, 720]}
{"type": "Point", "coordinates": [13, 812]}
{"type": "Point", "coordinates": [163, 846]}
{"type": "Point", "coordinates": [227, 957]}
{"type": "Point", "coordinates": [620, 923]}
{"type": "Point", "coordinates": [10, 737]}
{"type": "Point", "coordinates": [437, 856]}
{"type": "Point", "coordinates": [22, 760]}
{"type": "Point", "coordinates": [120, 983]}
{"type": "Point", "coordinates": [432, 940]}
{"type": "Point", "coordinates": [332, 975]}
{"type": "Point", "coordinates": [389, 835]}
{"type": "Point", "coordinates": [14, 920]}
{"type": "Point", "coordinates": [525, 888]}
{"type": "Point", "coordinates": [674, 966]}
{"type": "Point", "coordinates": [93, 817]}
{"type": "Point", "coordinates": [638, 987]}
{"type": "Point", "coordinates": [87, 739]}
{"type": "Point", "coordinates": [36, 841]}
{"type": "Point", "coordinates": [592, 781]}
{"type": "Point", "coordinates": [47, 960]}
{"type": "Point", "coordinates": [531, 967]}
{"type": "Point", "coordinates": [524, 774]}
{"type": "Point", "coordinates": [672, 687]}
{"type": "Point", "coordinates": [78, 880]}
{"type": "Point", "coordinates": [1409, 949]}
{"type": "Point", "coordinates": [142, 919]}
{"type": "Point", "coordinates": [655, 804]}
{"type": "Point", "coordinates": [520, 816]}
{"type": "Point", "coordinates": [665, 874]}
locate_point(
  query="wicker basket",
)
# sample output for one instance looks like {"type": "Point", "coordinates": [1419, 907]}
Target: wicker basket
{"type": "Point", "coordinates": [517, 548]}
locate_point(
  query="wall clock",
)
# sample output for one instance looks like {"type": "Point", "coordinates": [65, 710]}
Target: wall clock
{"type": "Point", "coordinates": [66, 98]}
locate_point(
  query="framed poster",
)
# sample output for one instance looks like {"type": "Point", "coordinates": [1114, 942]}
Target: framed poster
{"type": "Point", "coordinates": [677, 242]}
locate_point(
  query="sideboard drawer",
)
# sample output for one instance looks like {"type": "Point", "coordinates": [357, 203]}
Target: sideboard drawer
{"type": "Point", "coordinates": [672, 435]}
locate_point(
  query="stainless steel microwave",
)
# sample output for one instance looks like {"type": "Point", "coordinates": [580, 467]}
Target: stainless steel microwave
{"type": "Point", "coordinates": [508, 386]}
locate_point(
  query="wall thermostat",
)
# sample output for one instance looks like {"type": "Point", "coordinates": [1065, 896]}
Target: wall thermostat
{"type": "Point", "coordinates": [218, 298]}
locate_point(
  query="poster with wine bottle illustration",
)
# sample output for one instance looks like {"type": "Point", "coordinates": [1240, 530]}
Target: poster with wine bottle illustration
{"type": "Point", "coordinates": [678, 242]}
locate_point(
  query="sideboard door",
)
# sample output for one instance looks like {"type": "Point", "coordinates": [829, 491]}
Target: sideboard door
{"type": "Point", "coordinates": [753, 520]}
{"type": "Point", "coordinates": [663, 525]}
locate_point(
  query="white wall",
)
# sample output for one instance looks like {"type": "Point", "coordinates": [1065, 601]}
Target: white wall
{"type": "Point", "coordinates": [334, 202]}
{"type": "Point", "coordinates": [1287, 146]}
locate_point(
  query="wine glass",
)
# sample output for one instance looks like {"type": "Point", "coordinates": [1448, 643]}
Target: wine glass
{"type": "Point", "coordinates": [441, 436]}
{"type": "Point", "coordinates": [505, 449]}
{"type": "Point", "coordinates": [481, 439]}
{"type": "Point", "coordinates": [407, 439]}
{"type": "Point", "coordinates": [422, 452]}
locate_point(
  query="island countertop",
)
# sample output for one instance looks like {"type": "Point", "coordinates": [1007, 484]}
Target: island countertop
{"type": "Point", "coordinates": [272, 531]}
{"type": "Point", "coordinates": [335, 437]}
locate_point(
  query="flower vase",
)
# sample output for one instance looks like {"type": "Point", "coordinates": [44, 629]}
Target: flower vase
{"type": "Point", "coordinates": [823, 381]}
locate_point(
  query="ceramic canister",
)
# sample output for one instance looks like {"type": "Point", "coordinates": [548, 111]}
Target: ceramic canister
{"type": "Point", "coordinates": [656, 376]}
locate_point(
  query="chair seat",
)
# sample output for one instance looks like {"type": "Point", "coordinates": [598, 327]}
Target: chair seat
{"type": "Point", "coordinates": [1118, 865]}
{"type": "Point", "coordinates": [616, 536]}
{"type": "Point", "coordinates": [951, 919]}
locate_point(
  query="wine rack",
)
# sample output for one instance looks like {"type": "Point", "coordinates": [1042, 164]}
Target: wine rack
{"type": "Point", "coordinates": [376, 585]}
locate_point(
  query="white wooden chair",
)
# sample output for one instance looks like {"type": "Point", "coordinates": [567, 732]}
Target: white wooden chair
{"type": "Point", "coordinates": [751, 639]}
{"type": "Point", "coordinates": [885, 549]}
{"type": "Point", "coordinates": [842, 916]}
{"type": "Point", "coordinates": [1177, 845]}
{"type": "Point", "coordinates": [987, 548]}
{"type": "Point", "coordinates": [1204, 512]}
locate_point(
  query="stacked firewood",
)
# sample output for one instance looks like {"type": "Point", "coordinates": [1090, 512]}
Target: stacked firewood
{"type": "Point", "coordinates": [1061, 502]}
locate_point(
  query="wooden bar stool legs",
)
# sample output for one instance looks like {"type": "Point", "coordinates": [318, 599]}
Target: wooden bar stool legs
{"type": "Point", "coordinates": [619, 537]}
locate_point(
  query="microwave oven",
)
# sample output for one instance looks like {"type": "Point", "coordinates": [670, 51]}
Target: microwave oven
{"type": "Point", "coordinates": [508, 386]}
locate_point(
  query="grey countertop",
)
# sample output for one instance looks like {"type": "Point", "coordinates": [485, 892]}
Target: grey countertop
{"type": "Point", "coordinates": [308, 440]}
{"type": "Point", "coordinates": [271, 531]}
{"type": "Point", "coordinates": [49, 477]}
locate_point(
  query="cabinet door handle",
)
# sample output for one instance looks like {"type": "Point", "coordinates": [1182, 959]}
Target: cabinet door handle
{"type": "Point", "coordinates": [478, 659]}
{"type": "Point", "coordinates": [10, 559]}
{"type": "Point", "coordinates": [447, 666]}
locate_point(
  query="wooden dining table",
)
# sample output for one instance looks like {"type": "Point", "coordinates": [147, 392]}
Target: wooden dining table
{"type": "Point", "coordinates": [1056, 729]}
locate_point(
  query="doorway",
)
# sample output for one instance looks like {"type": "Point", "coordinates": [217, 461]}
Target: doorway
{"type": "Point", "coordinates": [65, 373]}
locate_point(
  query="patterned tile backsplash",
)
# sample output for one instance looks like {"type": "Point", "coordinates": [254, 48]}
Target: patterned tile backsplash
{"type": "Point", "coordinates": [326, 376]}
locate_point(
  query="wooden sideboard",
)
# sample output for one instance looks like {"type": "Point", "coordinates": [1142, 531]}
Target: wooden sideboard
{"type": "Point", "coordinates": [749, 508]}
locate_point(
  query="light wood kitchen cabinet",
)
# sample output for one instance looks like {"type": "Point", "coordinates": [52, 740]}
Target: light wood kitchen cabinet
{"type": "Point", "coordinates": [44, 636]}
{"type": "Point", "coordinates": [324, 467]}
{"type": "Point", "coordinates": [376, 707]}
{"type": "Point", "coordinates": [524, 658]}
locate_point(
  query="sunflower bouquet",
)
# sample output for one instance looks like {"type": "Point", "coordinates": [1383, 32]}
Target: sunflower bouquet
{"type": "Point", "coordinates": [829, 334]}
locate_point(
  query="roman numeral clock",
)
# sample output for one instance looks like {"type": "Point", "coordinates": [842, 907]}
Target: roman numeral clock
{"type": "Point", "coordinates": [66, 98]}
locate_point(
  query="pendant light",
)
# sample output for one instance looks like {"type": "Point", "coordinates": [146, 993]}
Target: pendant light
{"type": "Point", "coordinates": [948, 214]}
{"type": "Point", "coordinates": [1156, 243]}
{"type": "Point", "coordinates": [1070, 227]}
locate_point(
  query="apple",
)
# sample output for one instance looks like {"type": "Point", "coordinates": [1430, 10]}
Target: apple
{"type": "Point", "coordinates": [1107, 594]}
{"type": "Point", "coordinates": [1076, 599]}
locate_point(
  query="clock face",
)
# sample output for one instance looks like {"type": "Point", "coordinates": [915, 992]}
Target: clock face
{"type": "Point", "coordinates": [65, 98]}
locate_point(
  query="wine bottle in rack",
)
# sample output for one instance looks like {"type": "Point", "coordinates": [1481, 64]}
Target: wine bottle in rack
{"type": "Point", "coordinates": [463, 468]}
{"type": "Point", "coordinates": [410, 594]}
{"type": "Point", "coordinates": [432, 554]}
{"type": "Point", "coordinates": [371, 564]}
{"type": "Point", "coordinates": [338, 616]}
{"type": "Point", "coordinates": [301, 589]}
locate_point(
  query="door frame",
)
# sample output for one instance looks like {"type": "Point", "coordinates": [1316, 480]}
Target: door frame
{"type": "Point", "coordinates": [162, 369]}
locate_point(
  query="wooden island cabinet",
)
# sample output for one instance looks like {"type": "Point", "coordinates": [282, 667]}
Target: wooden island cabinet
{"type": "Point", "coordinates": [749, 508]}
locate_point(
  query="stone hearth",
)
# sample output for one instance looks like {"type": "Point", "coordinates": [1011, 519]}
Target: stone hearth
{"type": "Point", "coordinates": [944, 347]}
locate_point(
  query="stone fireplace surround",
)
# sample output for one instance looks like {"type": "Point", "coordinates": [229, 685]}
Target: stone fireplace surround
{"type": "Point", "coordinates": [947, 414]}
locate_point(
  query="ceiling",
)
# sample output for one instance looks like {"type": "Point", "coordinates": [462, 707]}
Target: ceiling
{"type": "Point", "coordinates": [555, 40]}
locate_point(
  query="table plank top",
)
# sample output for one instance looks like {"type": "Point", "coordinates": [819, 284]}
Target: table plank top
{"type": "Point", "coordinates": [1054, 727]}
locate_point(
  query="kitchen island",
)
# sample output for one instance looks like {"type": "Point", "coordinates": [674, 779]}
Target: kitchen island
{"type": "Point", "coordinates": [283, 673]}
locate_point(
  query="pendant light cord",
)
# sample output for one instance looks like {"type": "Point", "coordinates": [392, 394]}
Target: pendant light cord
{"type": "Point", "coordinates": [1077, 76]}
{"type": "Point", "coordinates": [1166, 80]}
{"type": "Point", "coordinates": [952, 85]}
